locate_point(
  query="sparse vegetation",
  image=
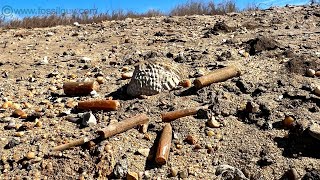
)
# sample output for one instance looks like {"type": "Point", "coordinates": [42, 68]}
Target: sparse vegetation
{"type": "Point", "coordinates": [252, 7]}
{"type": "Point", "coordinates": [198, 7]}
{"type": "Point", "coordinates": [189, 8]}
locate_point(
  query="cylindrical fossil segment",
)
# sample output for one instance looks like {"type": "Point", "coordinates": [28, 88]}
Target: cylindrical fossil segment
{"type": "Point", "coordinates": [71, 144]}
{"type": "Point", "coordinates": [123, 125]}
{"type": "Point", "coordinates": [107, 105]}
{"type": "Point", "coordinates": [172, 115]}
{"type": "Point", "coordinates": [80, 88]}
{"type": "Point", "coordinates": [217, 76]}
{"type": "Point", "coordinates": [164, 145]}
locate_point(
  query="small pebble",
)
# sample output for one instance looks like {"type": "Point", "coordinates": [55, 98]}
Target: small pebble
{"type": "Point", "coordinates": [100, 79]}
{"type": "Point", "coordinates": [174, 171]}
{"type": "Point", "coordinates": [132, 176]}
{"type": "Point", "coordinates": [183, 173]}
{"type": "Point", "coordinates": [53, 88]}
{"type": "Point", "coordinates": [179, 146]}
{"type": "Point", "coordinates": [317, 90]}
{"type": "Point", "coordinates": [108, 148]}
{"type": "Point", "coordinates": [191, 140]}
{"type": "Point", "coordinates": [288, 121]}
{"type": "Point", "coordinates": [144, 152]}
{"type": "Point", "coordinates": [19, 134]}
{"type": "Point", "coordinates": [219, 136]}
{"type": "Point", "coordinates": [317, 74]}
{"type": "Point", "coordinates": [311, 72]}
{"type": "Point", "coordinates": [30, 155]}
{"type": "Point", "coordinates": [7, 104]}
{"type": "Point", "coordinates": [11, 125]}
{"type": "Point", "coordinates": [44, 60]}
{"type": "Point", "coordinates": [27, 105]}
{"type": "Point", "coordinates": [85, 60]}
{"type": "Point", "coordinates": [210, 133]}
{"type": "Point", "coordinates": [124, 69]}
{"type": "Point", "coordinates": [18, 113]}
{"type": "Point", "coordinates": [88, 119]}
{"type": "Point", "coordinates": [15, 106]}
{"type": "Point", "coordinates": [213, 123]}
{"type": "Point", "coordinates": [144, 128]}
{"type": "Point", "coordinates": [12, 143]}
{"type": "Point", "coordinates": [38, 124]}
{"type": "Point", "coordinates": [127, 75]}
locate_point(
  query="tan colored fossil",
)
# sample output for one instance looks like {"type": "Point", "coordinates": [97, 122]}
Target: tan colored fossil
{"type": "Point", "coordinates": [152, 77]}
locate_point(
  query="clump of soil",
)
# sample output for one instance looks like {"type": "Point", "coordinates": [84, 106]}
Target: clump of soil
{"type": "Point", "coordinates": [260, 44]}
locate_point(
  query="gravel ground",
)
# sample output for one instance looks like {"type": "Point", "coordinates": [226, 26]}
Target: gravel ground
{"type": "Point", "coordinates": [265, 115]}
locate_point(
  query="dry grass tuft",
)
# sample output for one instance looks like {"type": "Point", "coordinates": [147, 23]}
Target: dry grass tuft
{"type": "Point", "coordinates": [189, 8]}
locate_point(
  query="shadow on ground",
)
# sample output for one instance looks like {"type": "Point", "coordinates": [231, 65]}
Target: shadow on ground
{"type": "Point", "coordinates": [299, 145]}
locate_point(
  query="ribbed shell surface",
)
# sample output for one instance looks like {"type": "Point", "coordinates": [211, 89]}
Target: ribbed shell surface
{"type": "Point", "coordinates": [152, 78]}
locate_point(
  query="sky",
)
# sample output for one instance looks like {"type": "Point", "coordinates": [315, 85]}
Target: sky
{"type": "Point", "coordinates": [23, 8]}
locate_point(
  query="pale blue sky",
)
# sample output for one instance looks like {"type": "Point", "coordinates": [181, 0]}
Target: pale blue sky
{"type": "Point", "coordinates": [22, 8]}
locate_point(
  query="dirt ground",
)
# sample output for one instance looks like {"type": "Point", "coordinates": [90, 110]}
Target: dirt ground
{"type": "Point", "coordinates": [273, 48]}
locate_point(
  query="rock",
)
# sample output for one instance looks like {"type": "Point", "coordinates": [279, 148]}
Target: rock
{"type": "Point", "coordinates": [49, 34]}
{"type": "Point", "coordinates": [94, 94]}
{"type": "Point", "coordinates": [228, 172]}
{"type": "Point", "coordinates": [317, 74]}
{"type": "Point", "coordinates": [183, 173]}
{"type": "Point", "coordinates": [132, 176]}
{"type": "Point", "coordinates": [311, 72]}
{"type": "Point", "coordinates": [11, 125]}
{"type": "Point", "coordinates": [260, 44]}
{"type": "Point", "coordinates": [88, 119]}
{"type": "Point", "coordinates": [288, 121]}
{"type": "Point", "coordinates": [44, 61]}
{"type": "Point", "coordinates": [108, 148]}
{"type": "Point", "coordinates": [120, 170]}
{"type": "Point", "coordinates": [317, 90]}
{"type": "Point", "coordinates": [6, 104]}
{"type": "Point", "coordinates": [314, 131]}
{"type": "Point", "coordinates": [213, 123]}
{"type": "Point", "coordinates": [174, 171]}
{"type": "Point", "coordinates": [210, 133]}
{"type": "Point", "coordinates": [100, 79]}
{"type": "Point", "coordinates": [85, 60]}
{"type": "Point", "coordinates": [30, 155]}
{"type": "Point", "coordinates": [18, 113]}
{"type": "Point", "coordinates": [191, 140]}
{"type": "Point", "coordinates": [19, 134]}
{"type": "Point", "coordinates": [126, 75]}
{"type": "Point", "coordinates": [144, 152]}
{"type": "Point", "coordinates": [12, 143]}
{"type": "Point", "coordinates": [76, 24]}
{"type": "Point", "coordinates": [5, 119]}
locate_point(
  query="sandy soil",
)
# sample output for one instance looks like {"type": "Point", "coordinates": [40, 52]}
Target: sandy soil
{"type": "Point", "coordinates": [273, 48]}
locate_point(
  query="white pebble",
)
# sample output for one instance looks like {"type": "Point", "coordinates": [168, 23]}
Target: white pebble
{"type": "Point", "coordinates": [213, 123]}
